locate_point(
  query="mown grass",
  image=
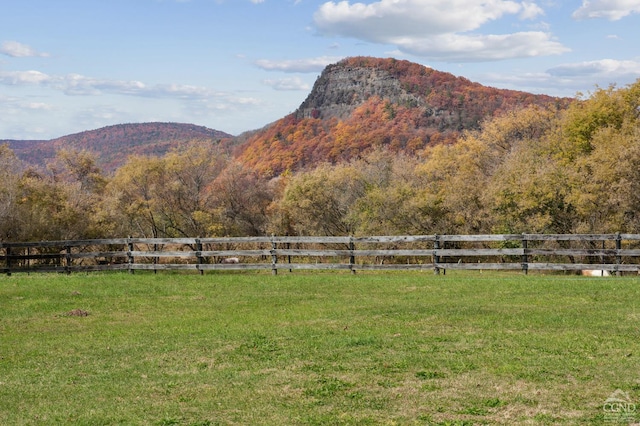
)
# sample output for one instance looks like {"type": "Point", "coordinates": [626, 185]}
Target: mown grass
{"type": "Point", "coordinates": [316, 348]}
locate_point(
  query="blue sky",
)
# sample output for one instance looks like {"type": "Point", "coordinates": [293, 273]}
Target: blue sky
{"type": "Point", "coordinates": [235, 65]}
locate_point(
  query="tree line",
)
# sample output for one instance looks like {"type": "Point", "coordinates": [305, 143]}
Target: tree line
{"type": "Point", "coordinates": [536, 170]}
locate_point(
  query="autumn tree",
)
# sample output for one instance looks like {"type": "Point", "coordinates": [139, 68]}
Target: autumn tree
{"type": "Point", "coordinates": [471, 180]}
{"type": "Point", "coordinates": [61, 202]}
{"type": "Point", "coordinates": [187, 200]}
{"type": "Point", "coordinates": [169, 196]}
{"type": "Point", "coordinates": [78, 166]}
{"type": "Point", "coordinates": [379, 193]}
{"type": "Point", "coordinates": [242, 198]}
{"type": "Point", "coordinates": [528, 193]}
{"type": "Point", "coordinates": [318, 202]}
{"type": "Point", "coordinates": [601, 138]}
{"type": "Point", "coordinates": [10, 171]}
{"type": "Point", "coordinates": [392, 203]}
{"type": "Point", "coordinates": [133, 197]}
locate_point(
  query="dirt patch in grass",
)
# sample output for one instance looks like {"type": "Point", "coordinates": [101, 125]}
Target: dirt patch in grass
{"type": "Point", "coordinates": [76, 313]}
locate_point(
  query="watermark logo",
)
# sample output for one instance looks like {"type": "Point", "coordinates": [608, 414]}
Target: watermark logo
{"type": "Point", "coordinates": [619, 408]}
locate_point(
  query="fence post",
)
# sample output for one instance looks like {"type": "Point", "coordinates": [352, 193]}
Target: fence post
{"type": "Point", "coordinates": [352, 257]}
{"type": "Point", "coordinates": [525, 255]}
{"type": "Point", "coordinates": [156, 259]}
{"type": "Point", "coordinates": [67, 256]}
{"type": "Point", "coordinates": [618, 257]}
{"type": "Point", "coordinates": [436, 257]}
{"type": "Point", "coordinates": [8, 261]}
{"type": "Point", "coordinates": [199, 255]}
{"type": "Point", "coordinates": [274, 257]}
{"type": "Point", "coordinates": [130, 255]}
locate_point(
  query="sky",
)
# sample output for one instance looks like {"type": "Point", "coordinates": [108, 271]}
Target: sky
{"type": "Point", "coordinates": [68, 66]}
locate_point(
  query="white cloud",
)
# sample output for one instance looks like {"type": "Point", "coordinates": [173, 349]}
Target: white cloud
{"type": "Point", "coordinates": [609, 68]}
{"type": "Point", "coordinates": [79, 85]}
{"type": "Point", "coordinates": [569, 79]}
{"type": "Point", "coordinates": [294, 83]}
{"type": "Point", "coordinates": [612, 10]}
{"type": "Point", "coordinates": [438, 29]}
{"type": "Point", "coordinates": [475, 48]}
{"type": "Point", "coordinates": [390, 19]}
{"type": "Point", "coordinates": [14, 111]}
{"type": "Point", "coordinates": [38, 106]}
{"type": "Point", "coordinates": [297, 65]}
{"type": "Point", "coordinates": [76, 84]}
{"type": "Point", "coordinates": [19, 50]}
{"type": "Point", "coordinates": [530, 10]}
{"type": "Point", "coordinates": [95, 116]}
{"type": "Point", "coordinates": [16, 78]}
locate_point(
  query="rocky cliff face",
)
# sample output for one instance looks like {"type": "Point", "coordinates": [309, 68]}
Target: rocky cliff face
{"type": "Point", "coordinates": [341, 88]}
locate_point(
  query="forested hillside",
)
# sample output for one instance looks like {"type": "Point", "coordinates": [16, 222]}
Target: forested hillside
{"type": "Point", "coordinates": [530, 169]}
{"type": "Point", "coordinates": [363, 103]}
{"type": "Point", "coordinates": [113, 144]}
{"type": "Point", "coordinates": [379, 147]}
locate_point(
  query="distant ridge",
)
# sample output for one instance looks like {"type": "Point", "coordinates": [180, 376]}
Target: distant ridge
{"type": "Point", "coordinates": [114, 144]}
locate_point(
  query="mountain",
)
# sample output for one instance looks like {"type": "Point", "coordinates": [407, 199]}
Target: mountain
{"type": "Point", "coordinates": [363, 102]}
{"type": "Point", "coordinates": [355, 105]}
{"type": "Point", "coordinates": [113, 144]}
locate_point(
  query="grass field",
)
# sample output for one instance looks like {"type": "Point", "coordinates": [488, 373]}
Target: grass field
{"type": "Point", "coordinates": [317, 349]}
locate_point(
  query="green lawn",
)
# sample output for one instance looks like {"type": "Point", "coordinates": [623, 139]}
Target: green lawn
{"type": "Point", "coordinates": [317, 348]}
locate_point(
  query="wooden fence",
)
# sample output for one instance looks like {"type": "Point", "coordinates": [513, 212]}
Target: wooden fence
{"type": "Point", "coordinates": [616, 253]}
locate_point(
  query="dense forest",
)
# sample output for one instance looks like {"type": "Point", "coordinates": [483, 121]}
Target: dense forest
{"type": "Point", "coordinates": [528, 169]}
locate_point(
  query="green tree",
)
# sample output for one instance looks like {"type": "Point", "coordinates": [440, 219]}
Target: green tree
{"type": "Point", "coordinates": [583, 119]}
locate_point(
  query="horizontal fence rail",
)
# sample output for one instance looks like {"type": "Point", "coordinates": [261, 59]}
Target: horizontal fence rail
{"type": "Point", "coordinates": [613, 253]}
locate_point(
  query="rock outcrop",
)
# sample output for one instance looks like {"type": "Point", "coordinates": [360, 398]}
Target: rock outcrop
{"type": "Point", "coordinates": [340, 89]}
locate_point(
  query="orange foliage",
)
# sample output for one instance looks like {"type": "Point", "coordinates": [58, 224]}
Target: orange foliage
{"type": "Point", "coordinates": [451, 104]}
{"type": "Point", "coordinates": [294, 144]}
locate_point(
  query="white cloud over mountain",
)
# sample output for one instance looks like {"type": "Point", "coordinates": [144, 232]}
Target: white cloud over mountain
{"type": "Point", "coordinates": [477, 48]}
{"type": "Point", "coordinates": [444, 30]}
{"type": "Point", "coordinates": [294, 83]}
{"type": "Point", "coordinates": [306, 65]}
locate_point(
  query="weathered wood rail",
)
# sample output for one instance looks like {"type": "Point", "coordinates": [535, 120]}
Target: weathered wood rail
{"type": "Point", "coordinates": [617, 253]}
